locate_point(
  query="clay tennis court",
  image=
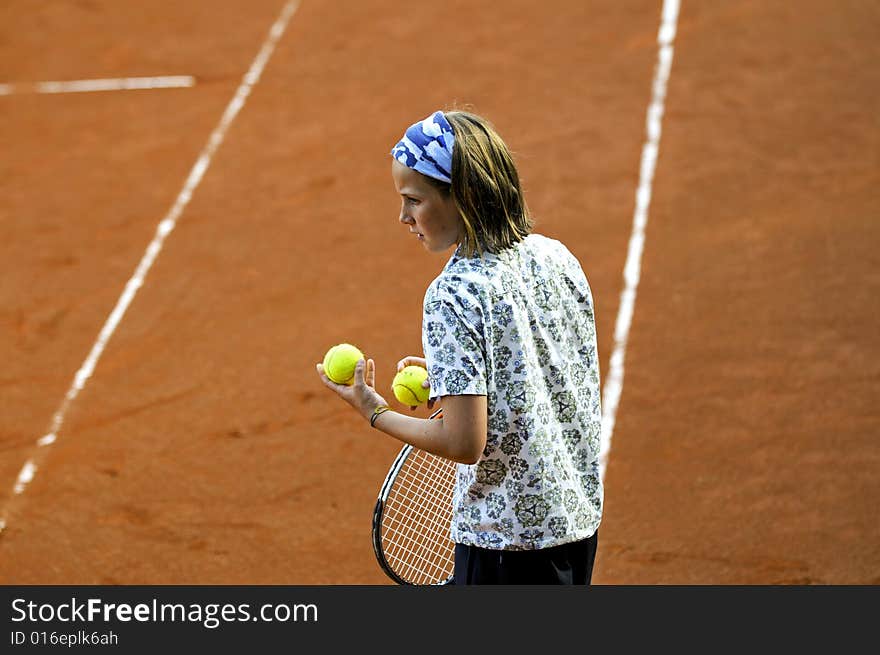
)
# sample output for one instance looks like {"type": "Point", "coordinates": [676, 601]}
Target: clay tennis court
{"type": "Point", "coordinates": [203, 449]}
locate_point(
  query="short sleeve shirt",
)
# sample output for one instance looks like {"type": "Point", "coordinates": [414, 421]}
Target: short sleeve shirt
{"type": "Point", "coordinates": [518, 327]}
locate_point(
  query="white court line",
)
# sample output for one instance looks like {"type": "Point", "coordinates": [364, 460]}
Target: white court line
{"type": "Point", "coordinates": [632, 268]}
{"type": "Point", "coordinates": [118, 84]}
{"type": "Point", "coordinates": [165, 227]}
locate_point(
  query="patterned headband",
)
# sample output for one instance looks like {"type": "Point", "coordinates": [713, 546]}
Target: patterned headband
{"type": "Point", "coordinates": [427, 147]}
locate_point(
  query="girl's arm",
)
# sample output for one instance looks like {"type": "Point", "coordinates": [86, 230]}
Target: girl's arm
{"type": "Point", "coordinates": [460, 435]}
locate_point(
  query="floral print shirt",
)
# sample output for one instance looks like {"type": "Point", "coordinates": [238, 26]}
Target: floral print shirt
{"type": "Point", "coordinates": [518, 327]}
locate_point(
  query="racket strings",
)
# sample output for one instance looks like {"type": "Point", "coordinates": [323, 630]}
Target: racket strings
{"type": "Point", "coordinates": [433, 508]}
{"type": "Point", "coordinates": [418, 563]}
{"type": "Point", "coordinates": [424, 530]}
{"type": "Point", "coordinates": [417, 534]}
{"type": "Point", "coordinates": [416, 519]}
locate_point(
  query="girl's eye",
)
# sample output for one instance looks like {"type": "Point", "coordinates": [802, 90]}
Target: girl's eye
{"type": "Point", "coordinates": [412, 201]}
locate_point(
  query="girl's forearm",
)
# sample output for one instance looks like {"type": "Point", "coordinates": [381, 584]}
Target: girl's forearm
{"type": "Point", "coordinates": [429, 435]}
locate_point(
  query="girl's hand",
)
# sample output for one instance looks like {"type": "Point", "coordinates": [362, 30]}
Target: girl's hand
{"type": "Point", "coordinates": [361, 394]}
{"type": "Point", "coordinates": [412, 360]}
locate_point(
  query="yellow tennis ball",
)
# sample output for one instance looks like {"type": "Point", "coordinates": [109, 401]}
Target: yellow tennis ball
{"type": "Point", "coordinates": [340, 362]}
{"type": "Point", "coordinates": [407, 385]}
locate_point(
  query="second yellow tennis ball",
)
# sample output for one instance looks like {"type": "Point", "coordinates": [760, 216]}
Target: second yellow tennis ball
{"type": "Point", "coordinates": [407, 385]}
{"type": "Point", "coordinates": [340, 362]}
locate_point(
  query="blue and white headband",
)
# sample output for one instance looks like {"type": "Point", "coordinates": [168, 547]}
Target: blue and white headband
{"type": "Point", "coordinates": [427, 147]}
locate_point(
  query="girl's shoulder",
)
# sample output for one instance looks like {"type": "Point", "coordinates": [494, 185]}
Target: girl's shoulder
{"type": "Point", "coordinates": [542, 243]}
{"type": "Point", "coordinates": [543, 248]}
{"type": "Point", "coordinates": [480, 270]}
{"type": "Point", "coordinates": [463, 279]}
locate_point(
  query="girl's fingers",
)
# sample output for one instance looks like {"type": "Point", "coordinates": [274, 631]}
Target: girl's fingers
{"type": "Point", "coordinates": [411, 360]}
{"type": "Point", "coordinates": [359, 372]}
{"type": "Point", "coordinates": [330, 384]}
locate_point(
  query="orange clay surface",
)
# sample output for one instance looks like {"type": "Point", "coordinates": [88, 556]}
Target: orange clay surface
{"type": "Point", "coordinates": [203, 449]}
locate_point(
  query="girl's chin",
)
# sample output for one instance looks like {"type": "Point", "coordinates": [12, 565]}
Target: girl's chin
{"type": "Point", "coordinates": [435, 246]}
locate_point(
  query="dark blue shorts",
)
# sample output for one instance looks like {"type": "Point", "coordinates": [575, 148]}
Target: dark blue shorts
{"type": "Point", "coordinates": [568, 564]}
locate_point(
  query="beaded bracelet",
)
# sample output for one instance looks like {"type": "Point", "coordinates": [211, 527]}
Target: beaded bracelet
{"type": "Point", "coordinates": [381, 409]}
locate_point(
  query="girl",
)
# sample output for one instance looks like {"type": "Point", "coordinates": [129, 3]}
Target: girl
{"type": "Point", "coordinates": [509, 342]}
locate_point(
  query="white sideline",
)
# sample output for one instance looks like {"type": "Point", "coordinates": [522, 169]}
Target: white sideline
{"type": "Point", "coordinates": [632, 268]}
{"type": "Point", "coordinates": [168, 223]}
{"type": "Point", "coordinates": [114, 84]}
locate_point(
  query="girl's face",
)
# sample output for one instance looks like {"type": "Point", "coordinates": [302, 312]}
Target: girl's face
{"type": "Point", "coordinates": [429, 213]}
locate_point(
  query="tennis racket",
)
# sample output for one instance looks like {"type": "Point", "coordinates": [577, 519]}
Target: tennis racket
{"type": "Point", "coordinates": [412, 517]}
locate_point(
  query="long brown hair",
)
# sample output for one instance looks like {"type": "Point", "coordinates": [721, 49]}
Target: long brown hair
{"type": "Point", "coordinates": [485, 187]}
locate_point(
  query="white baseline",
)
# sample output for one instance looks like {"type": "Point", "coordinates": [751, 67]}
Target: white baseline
{"type": "Point", "coordinates": [632, 268]}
